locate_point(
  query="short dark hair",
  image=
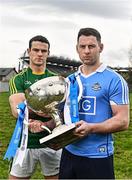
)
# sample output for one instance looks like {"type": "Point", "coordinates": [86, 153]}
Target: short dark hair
{"type": "Point", "coordinates": [89, 32]}
{"type": "Point", "coordinates": [39, 38]}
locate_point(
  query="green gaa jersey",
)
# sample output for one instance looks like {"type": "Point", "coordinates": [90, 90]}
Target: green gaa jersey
{"type": "Point", "coordinates": [18, 84]}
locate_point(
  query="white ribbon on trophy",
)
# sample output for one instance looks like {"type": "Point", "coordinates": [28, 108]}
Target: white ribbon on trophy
{"type": "Point", "coordinates": [24, 140]}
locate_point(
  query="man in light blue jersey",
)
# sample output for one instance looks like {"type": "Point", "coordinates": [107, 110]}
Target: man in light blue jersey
{"type": "Point", "coordinates": [103, 110]}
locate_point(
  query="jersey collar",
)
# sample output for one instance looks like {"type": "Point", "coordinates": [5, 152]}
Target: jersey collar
{"type": "Point", "coordinates": [101, 68]}
{"type": "Point", "coordinates": [44, 72]}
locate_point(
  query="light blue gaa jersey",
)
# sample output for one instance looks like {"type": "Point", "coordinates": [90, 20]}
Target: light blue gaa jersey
{"type": "Point", "coordinates": [101, 89]}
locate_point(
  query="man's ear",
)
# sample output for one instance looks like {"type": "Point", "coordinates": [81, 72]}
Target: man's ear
{"type": "Point", "coordinates": [49, 52]}
{"type": "Point", "coordinates": [77, 48]}
{"type": "Point", "coordinates": [101, 47]}
{"type": "Point", "coordinates": [28, 51]}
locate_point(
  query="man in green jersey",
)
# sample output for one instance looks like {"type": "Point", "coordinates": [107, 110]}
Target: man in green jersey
{"type": "Point", "coordinates": [49, 159]}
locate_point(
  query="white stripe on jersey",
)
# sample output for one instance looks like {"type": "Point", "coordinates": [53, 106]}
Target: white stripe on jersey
{"type": "Point", "coordinates": [125, 90]}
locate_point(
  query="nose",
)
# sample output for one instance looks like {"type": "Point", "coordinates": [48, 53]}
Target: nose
{"type": "Point", "coordinates": [40, 53]}
{"type": "Point", "coordinates": [87, 50]}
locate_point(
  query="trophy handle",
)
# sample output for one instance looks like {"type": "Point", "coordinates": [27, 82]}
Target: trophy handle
{"type": "Point", "coordinates": [57, 118]}
{"type": "Point", "coordinates": [58, 121]}
{"type": "Point", "coordinates": [47, 129]}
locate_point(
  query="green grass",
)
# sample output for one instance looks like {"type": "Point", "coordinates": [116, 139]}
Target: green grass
{"type": "Point", "coordinates": [123, 144]}
{"type": "Point", "coordinates": [123, 151]}
{"type": "Point", "coordinates": [7, 124]}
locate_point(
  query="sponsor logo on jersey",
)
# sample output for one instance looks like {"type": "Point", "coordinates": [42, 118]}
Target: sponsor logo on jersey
{"type": "Point", "coordinates": [28, 83]}
{"type": "Point", "coordinates": [87, 105]}
{"type": "Point", "coordinates": [36, 80]}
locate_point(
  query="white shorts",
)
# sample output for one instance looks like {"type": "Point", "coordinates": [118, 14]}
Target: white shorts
{"type": "Point", "coordinates": [48, 159]}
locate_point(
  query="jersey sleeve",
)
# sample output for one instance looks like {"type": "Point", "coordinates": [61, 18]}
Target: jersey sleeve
{"type": "Point", "coordinates": [16, 85]}
{"type": "Point", "coordinates": [118, 92]}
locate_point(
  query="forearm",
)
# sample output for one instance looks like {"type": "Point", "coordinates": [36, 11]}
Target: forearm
{"type": "Point", "coordinates": [120, 119]}
{"type": "Point", "coordinates": [109, 126]}
{"type": "Point", "coordinates": [14, 113]}
{"type": "Point", "coordinates": [119, 122]}
{"type": "Point", "coordinates": [14, 100]}
{"type": "Point", "coordinates": [13, 109]}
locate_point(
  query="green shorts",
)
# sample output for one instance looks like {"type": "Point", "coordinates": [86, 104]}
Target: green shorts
{"type": "Point", "coordinates": [49, 160]}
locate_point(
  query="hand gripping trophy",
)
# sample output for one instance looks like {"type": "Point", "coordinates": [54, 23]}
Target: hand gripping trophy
{"type": "Point", "coordinates": [44, 97]}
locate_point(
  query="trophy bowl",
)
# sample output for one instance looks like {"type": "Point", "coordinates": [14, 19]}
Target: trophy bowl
{"type": "Point", "coordinates": [44, 97]}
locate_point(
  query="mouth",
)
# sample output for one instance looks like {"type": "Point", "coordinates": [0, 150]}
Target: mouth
{"type": "Point", "coordinates": [39, 59]}
{"type": "Point", "coordinates": [87, 57]}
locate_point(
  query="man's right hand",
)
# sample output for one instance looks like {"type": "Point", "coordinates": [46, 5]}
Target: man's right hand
{"type": "Point", "coordinates": [36, 126]}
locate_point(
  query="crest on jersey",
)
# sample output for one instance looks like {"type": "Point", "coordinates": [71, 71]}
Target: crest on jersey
{"type": "Point", "coordinates": [96, 86]}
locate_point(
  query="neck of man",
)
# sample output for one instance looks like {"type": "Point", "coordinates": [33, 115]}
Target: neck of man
{"type": "Point", "coordinates": [38, 69]}
{"type": "Point", "coordinates": [88, 69]}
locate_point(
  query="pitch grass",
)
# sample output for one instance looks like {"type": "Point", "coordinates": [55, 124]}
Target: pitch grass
{"type": "Point", "coordinates": [123, 144]}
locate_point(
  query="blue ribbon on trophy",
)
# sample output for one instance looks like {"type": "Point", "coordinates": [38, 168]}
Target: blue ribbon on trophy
{"type": "Point", "coordinates": [74, 94]}
{"type": "Point", "coordinates": [74, 100]}
{"type": "Point", "coordinates": [13, 145]}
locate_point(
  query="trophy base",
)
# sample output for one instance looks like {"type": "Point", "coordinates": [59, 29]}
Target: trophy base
{"type": "Point", "coordinates": [60, 137]}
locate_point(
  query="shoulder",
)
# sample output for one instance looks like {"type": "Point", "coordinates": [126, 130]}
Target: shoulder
{"type": "Point", "coordinates": [18, 78]}
{"type": "Point", "coordinates": [113, 75]}
{"type": "Point", "coordinates": [50, 73]}
{"type": "Point", "coordinates": [71, 77]}
{"type": "Point", "coordinates": [21, 74]}
{"type": "Point", "coordinates": [111, 72]}
{"type": "Point", "coordinates": [115, 81]}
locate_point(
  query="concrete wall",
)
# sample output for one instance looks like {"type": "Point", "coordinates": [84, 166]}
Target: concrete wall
{"type": "Point", "coordinates": [4, 86]}
{"type": "Point", "coordinates": [9, 76]}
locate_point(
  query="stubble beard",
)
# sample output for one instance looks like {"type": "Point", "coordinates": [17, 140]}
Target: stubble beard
{"type": "Point", "coordinates": [38, 64]}
{"type": "Point", "coordinates": [89, 63]}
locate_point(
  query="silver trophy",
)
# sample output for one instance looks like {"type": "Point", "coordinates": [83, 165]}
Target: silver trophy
{"type": "Point", "coordinates": [44, 97]}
